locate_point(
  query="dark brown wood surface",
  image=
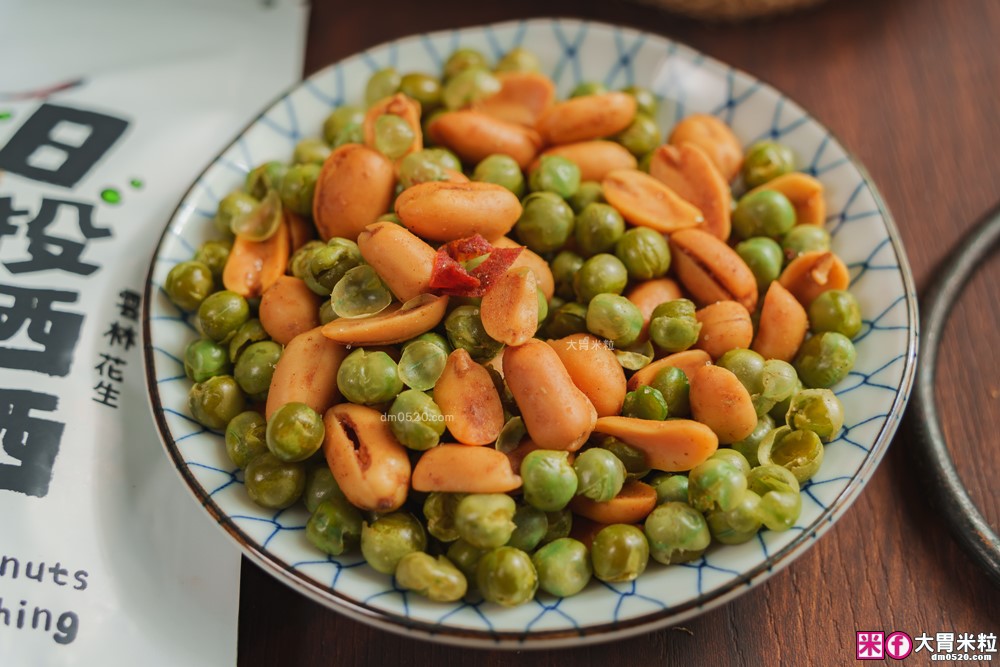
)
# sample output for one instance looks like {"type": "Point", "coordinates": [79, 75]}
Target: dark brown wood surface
{"type": "Point", "coordinates": [912, 87]}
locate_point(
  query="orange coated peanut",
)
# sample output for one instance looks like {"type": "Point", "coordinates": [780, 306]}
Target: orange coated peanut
{"type": "Point", "coordinates": [721, 402]}
{"type": "Point", "coordinates": [469, 400]}
{"type": "Point", "coordinates": [354, 188]}
{"type": "Point", "coordinates": [594, 370]}
{"type": "Point", "coordinates": [645, 201]}
{"type": "Point", "coordinates": [588, 117]}
{"type": "Point", "coordinates": [253, 266]}
{"type": "Point", "coordinates": [530, 260]}
{"type": "Point", "coordinates": [288, 308]}
{"type": "Point", "coordinates": [632, 504]}
{"type": "Point", "coordinates": [523, 98]}
{"type": "Point", "coordinates": [369, 464]}
{"type": "Point", "coordinates": [688, 171]}
{"type": "Point", "coordinates": [594, 158]}
{"type": "Point", "coordinates": [441, 211]}
{"type": "Point", "coordinates": [461, 469]}
{"type": "Point", "coordinates": [724, 325]}
{"type": "Point", "coordinates": [715, 138]}
{"type": "Point", "coordinates": [393, 325]}
{"type": "Point", "coordinates": [783, 325]}
{"type": "Point", "coordinates": [711, 270]}
{"type": "Point", "coordinates": [509, 310]}
{"type": "Point", "coordinates": [671, 446]}
{"type": "Point", "coordinates": [812, 273]}
{"type": "Point", "coordinates": [402, 260]}
{"type": "Point", "coordinates": [556, 414]}
{"type": "Point", "coordinates": [474, 136]}
{"type": "Point", "coordinates": [306, 373]}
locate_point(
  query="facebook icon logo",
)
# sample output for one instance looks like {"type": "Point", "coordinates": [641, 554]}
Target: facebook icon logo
{"type": "Point", "coordinates": [898, 645]}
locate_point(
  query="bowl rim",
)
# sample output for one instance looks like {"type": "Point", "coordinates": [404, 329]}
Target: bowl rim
{"type": "Point", "coordinates": [587, 634]}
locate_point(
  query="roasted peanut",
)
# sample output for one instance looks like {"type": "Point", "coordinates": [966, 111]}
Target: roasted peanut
{"type": "Point", "coordinates": [400, 105]}
{"type": "Point", "coordinates": [804, 192]}
{"type": "Point", "coordinates": [783, 325]}
{"type": "Point", "coordinates": [442, 211]}
{"type": "Point", "coordinates": [393, 325]}
{"type": "Point", "coordinates": [530, 260]}
{"type": "Point", "coordinates": [711, 270]}
{"type": "Point", "coordinates": [556, 414]}
{"type": "Point", "coordinates": [715, 138]}
{"type": "Point", "coordinates": [468, 400]}
{"type": "Point", "coordinates": [461, 469]}
{"type": "Point", "coordinates": [721, 402]}
{"type": "Point", "coordinates": [288, 308]}
{"type": "Point", "coordinates": [402, 260]}
{"type": "Point", "coordinates": [724, 325]}
{"type": "Point", "coordinates": [474, 136]}
{"type": "Point", "coordinates": [645, 201]}
{"type": "Point", "coordinates": [509, 309]}
{"type": "Point", "coordinates": [306, 373]}
{"type": "Point", "coordinates": [689, 172]}
{"type": "Point", "coordinates": [253, 266]}
{"type": "Point", "coordinates": [688, 361]}
{"type": "Point", "coordinates": [671, 446]}
{"type": "Point", "coordinates": [588, 117]}
{"type": "Point", "coordinates": [648, 295]}
{"type": "Point", "coordinates": [523, 97]}
{"type": "Point", "coordinates": [594, 370]}
{"type": "Point", "coordinates": [594, 158]}
{"type": "Point", "coordinates": [354, 188]}
{"type": "Point", "coordinates": [632, 504]}
{"type": "Point", "coordinates": [369, 464]}
{"type": "Point", "coordinates": [812, 273]}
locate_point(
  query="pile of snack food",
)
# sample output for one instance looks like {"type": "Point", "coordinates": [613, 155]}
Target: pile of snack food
{"type": "Point", "coordinates": [506, 343]}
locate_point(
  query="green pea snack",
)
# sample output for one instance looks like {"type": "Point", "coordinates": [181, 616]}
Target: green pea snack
{"type": "Point", "coordinates": [601, 274]}
{"type": "Point", "coordinates": [598, 228]}
{"type": "Point", "coordinates": [502, 170]}
{"type": "Point", "coordinates": [546, 222]}
{"type": "Point", "coordinates": [673, 325]}
{"type": "Point", "coordinates": [188, 284]}
{"type": "Point", "coordinates": [294, 432]}
{"type": "Point", "coordinates": [763, 213]}
{"type": "Point", "coordinates": [765, 161]}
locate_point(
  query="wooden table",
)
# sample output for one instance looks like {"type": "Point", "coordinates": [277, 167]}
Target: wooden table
{"type": "Point", "coordinates": [912, 88]}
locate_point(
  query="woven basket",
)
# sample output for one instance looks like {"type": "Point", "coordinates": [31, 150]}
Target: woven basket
{"type": "Point", "coordinates": [731, 10]}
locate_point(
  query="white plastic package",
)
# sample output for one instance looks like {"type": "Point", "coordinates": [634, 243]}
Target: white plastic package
{"type": "Point", "coordinates": [108, 111]}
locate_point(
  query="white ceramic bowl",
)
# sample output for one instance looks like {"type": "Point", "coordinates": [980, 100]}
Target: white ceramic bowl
{"type": "Point", "coordinates": [571, 51]}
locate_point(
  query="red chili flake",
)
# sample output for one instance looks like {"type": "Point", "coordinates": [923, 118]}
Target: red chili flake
{"type": "Point", "coordinates": [450, 277]}
{"type": "Point", "coordinates": [495, 265]}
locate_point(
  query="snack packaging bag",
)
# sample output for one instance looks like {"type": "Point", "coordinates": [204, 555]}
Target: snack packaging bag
{"type": "Point", "coordinates": [108, 111]}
